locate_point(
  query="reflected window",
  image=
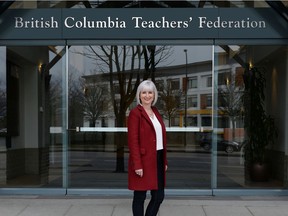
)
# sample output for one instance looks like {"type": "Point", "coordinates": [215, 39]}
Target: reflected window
{"type": "Point", "coordinates": [175, 84]}
{"type": "Point", "coordinates": [206, 101]}
{"type": "Point", "coordinates": [209, 100]}
{"type": "Point", "coordinates": [207, 81]}
{"type": "Point", "coordinates": [192, 83]}
{"type": "Point", "coordinates": [206, 121]}
{"type": "Point", "coordinates": [192, 101]}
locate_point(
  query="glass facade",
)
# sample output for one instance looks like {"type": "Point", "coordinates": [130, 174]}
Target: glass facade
{"type": "Point", "coordinates": [64, 107]}
{"type": "Point", "coordinates": [260, 68]}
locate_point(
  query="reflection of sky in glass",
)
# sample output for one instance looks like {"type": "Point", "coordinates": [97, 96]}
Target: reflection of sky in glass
{"type": "Point", "coordinates": [2, 67]}
{"type": "Point", "coordinates": [87, 66]}
{"type": "Point", "coordinates": [194, 54]}
{"type": "Point", "coordinates": [83, 65]}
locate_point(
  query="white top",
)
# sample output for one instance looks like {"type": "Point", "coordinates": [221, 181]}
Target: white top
{"type": "Point", "coordinates": [158, 129]}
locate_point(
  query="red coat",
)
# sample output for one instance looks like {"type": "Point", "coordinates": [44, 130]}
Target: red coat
{"type": "Point", "coordinates": [142, 146]}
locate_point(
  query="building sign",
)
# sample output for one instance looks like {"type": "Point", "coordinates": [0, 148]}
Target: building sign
{"type": "Point", "coordinates": [141, 23]}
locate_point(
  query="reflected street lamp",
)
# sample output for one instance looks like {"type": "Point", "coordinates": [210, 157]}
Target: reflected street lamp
{"type": "Point", "coordinates": [186, 86]}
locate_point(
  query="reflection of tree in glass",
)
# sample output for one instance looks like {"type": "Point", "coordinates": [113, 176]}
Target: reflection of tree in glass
{"type": "Point", "coordinates": [125, 67]}
{"type": "Point", "coordinates": [94, 100]}
{"type": "Point", "coordinates": [171, 100]}
{"type": "Point", "coordinates": [230, 101]}
{"type": "Point", "coordinates": [55, 102]}
{"type": "Point", "coordinates": [76, 98]}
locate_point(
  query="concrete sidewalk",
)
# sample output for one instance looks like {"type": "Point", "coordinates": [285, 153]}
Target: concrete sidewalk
{"type": "Point", "coordinates": [119, 206]}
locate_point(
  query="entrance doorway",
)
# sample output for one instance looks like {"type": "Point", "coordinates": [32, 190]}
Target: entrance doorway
{"type": "Point", "coordinates": [102, 84]}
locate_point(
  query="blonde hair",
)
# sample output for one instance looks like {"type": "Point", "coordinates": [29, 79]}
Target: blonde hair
{"type": "Point", "coordinates": [147, 85]}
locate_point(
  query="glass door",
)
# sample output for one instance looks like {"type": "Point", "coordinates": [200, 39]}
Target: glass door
{"type": "Point", "coordinates": [102, 85]}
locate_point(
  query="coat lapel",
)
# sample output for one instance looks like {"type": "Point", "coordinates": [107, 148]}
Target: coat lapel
{"type": "Point", "coordinates": [144, 114]}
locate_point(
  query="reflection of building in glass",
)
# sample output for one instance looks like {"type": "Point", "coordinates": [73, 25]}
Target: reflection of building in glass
{"type": "Point", "coordinates": [171, 82]}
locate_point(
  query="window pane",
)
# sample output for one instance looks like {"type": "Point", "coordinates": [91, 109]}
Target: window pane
{"type": "Point", "coordinates": [250, 108]}
{"type": "Point", "coordinates": [206, 121]}
{"type": "Point", "coordinates": [209, 82]}
{"type": "Point", "coordinates": [98, 99]}
{"type": "Point", "coordinates": [31, 116]}
{"type": "Point", "coordinates": [193, 102]}
{"type": "Point", "coordinates": [192, 83]}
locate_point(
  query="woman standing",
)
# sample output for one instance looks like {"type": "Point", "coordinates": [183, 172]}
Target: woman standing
{"type": "Point", "coordinates": [147, 144]}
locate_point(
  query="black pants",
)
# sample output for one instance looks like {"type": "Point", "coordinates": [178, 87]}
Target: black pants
{"type": "Point", "coordinates": [157, 196]}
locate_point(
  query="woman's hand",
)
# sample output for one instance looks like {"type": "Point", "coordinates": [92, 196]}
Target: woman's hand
{"type": "Point", "coordinates": [139, 172]}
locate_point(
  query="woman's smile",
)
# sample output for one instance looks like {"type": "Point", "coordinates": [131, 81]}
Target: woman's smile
{"type": "Point", "coordinates": [147, 97]}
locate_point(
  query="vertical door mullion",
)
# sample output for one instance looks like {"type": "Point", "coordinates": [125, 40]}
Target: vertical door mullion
{"type": "Point", "coordinates": [65, 95]}
{"type": "Point", "coordinates": [214, 123]}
